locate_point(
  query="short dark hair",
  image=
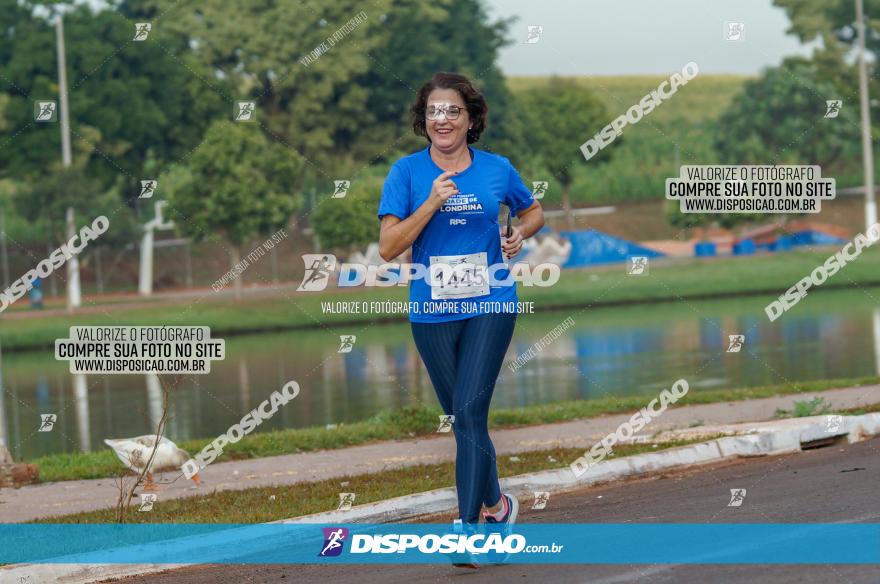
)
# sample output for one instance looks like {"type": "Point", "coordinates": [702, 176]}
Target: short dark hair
{"type": "Point", "coordinates": [478, 109]}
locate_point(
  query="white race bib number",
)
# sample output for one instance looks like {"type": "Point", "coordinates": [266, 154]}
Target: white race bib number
{"type": "Point", "coordinates": [459, 276]}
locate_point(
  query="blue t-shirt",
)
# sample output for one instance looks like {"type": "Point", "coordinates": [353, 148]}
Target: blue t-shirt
{"type": "Point", "coordinates": [464, 232]}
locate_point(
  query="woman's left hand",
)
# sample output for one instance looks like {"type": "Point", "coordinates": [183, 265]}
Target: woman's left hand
{"type": "Point", "coordinates": [511, 245]}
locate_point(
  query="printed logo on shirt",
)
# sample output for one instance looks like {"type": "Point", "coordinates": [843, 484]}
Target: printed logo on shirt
{"type": "Point", "coordinates": [455, 221]}
{"type": "Point", "coordinates": [462, 204]}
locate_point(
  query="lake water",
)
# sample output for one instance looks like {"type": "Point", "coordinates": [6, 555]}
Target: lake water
{"type": "Point", "coordinates": [608, 351]}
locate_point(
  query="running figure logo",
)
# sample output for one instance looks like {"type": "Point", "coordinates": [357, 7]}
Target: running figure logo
{"type": "Point", "coordinates": [334, 537]}
{"type": "Point", "coordinates": [736, 343]}
{"type": "Point", "coordinates": [141, 31]}
{"type": "Point", "coordinates": [638, 266]}
{"type": "Point", "coordinates": [345, 501]}
{"type": "Point", "coordinates": [147, 500]}
{"type": "Point", "coordinates": [832, 422]}
{"type": "Point", "coordinates": [148, 187]}
{"type": "Point", "coordinates": [340, 188]}
{"type": "Point", "coordinates": [47, 422]}
{"type": "Point", "coordinates": [733, 31]}
{"type": "Point", "coordinates": [541, 498]}
{"type": "Point", "coordinates": [832, 107]}
{"type": "Point", "coordinates": [535, 31]}
{"type": "Point", "coordinates": [318, 270]}
{"type": "Point", "coordinates": [244, 111]}
{"type": "Point", "coordinates": [346, 343]}
{"type": "Point", "coordinates": [539, 188]}
{"type": "Point", "coordinates": [737, 496]}
{"type": "Point", "coordinates": [446, 423]}
{"type": "Point", "coordinates": [45, 111]}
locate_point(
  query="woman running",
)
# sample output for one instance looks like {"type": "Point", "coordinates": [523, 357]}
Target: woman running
{"type": "Point", "coordinates": [444, 202]}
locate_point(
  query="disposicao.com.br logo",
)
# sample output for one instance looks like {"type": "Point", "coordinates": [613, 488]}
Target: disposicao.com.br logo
{"type": "Point", "coordinates": [431, 543]}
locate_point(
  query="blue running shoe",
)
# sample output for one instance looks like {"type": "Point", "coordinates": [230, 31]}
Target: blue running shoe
{"type": "Point", "coordinates": [504, 525]}
{"type": "Point", "coordinates": [465, 559]}
{"type": "Point", "coordinates": [511, 510]}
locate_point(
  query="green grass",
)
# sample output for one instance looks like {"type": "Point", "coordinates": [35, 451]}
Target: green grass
{"type": "Point", "coordinates": [705, 97]}
{"type": "Point", "coordinates": [818, 406]}
{"type": "Point", "coordinates": [413, 421]}
{"type": "Point", "coordinates": [805, 408]}
{"type": "Point", "coordinates": [255, 505]}
{"type": "Point", "coordinates": [860, 410]}
{"type": "Point", "coordinates": [668, 280]}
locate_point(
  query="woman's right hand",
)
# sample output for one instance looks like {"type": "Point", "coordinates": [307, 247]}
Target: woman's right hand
{"type": "Point", "coordinates": [442, 188]}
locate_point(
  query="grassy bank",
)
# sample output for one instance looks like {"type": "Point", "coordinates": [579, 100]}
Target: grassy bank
{"type": "Point", "coordinates": [410, 422]}
{"type": "Point", "coordinates": [274, 503]}
{"type": "Point", "coordinates": [667, 281]}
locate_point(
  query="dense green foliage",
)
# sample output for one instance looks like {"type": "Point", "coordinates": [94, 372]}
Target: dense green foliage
{"type": "Point", "coordinates": [780, 119]}
{"type": "Point", "coordinates": [558, 118]}
{"type": "Point", "coordinates": [128, 101]}
{"type": "Point", "coordinates": [143, 109]}
{"type": "Point", "coordinates": [237, 185]}
{"type": "Point", "coordinates": [644, 155]}
{"type": "Point", "coordinates": [349, 222]}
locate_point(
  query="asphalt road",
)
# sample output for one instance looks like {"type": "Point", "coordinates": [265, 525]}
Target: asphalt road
{"type": "Point", "coordinates": [838, 483]}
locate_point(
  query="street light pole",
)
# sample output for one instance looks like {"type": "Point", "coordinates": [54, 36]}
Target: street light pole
{"type": "Point", "coordinates": [4, 256]}
{"type": "Point", "coordinates": [867, 148]}
{"type": "Point", "coordinates": [74, 292]}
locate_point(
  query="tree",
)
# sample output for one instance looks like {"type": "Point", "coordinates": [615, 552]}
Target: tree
{"type": "Point", "coordinates": [44, 203]}
{"type": "Point", "coordinates": [833, 24]}
{"type": "Point", "coordinates": [125, 98]}
{"type": "Point", "coordinates": [237, 186]}
{"type": "Point", "coordinates": [352, 102]}
{"type": "Point", "coordinates": [43, 199]}
{"type": "Point", "coordinates": [558, 118]}
{"type": "Point", "coordinates": [779, 118]}
{"type": "Point", "coordinates": [351, 221]}
{"type": "Point", "coordinates": [257, 48]}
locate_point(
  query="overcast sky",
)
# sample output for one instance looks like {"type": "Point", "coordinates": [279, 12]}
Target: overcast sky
{"type": "Point", "coordinates": [625, 37]}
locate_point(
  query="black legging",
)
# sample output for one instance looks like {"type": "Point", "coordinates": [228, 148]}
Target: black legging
{"type": "Point", "coordinates": [463, 358]}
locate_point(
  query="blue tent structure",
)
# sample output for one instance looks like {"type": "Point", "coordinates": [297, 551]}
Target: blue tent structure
{"type": "Point", "coordinates": [798, 238]}
{"type": "Point", "coordinates": [815, 237]}
{"type": "Point", "coordinates": [590, 247]}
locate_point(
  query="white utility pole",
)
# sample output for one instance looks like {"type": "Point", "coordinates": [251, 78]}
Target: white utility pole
{"type": "Point", "coordinates": [4, 256]}
{"type": "Point", "coordinates": [4, 440]}
{"type": "Point", "coordinates": [867, 148]}
{"type": "Point", "coordinates": [74, 291]}
{"type": "Point", "coordinates": [145, 276]}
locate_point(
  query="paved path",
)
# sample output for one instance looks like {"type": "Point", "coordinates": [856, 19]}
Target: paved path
{"type": "Point", "coordinates": [33, 502]}
{"type": "Point", "coordinates": [834, 484]}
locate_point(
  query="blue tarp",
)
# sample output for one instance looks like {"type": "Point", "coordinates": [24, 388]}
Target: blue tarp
{"type": "Point", "coordinates": [815, 238]}
{"type": "Point", "coordinates": [809, 237]}
{"type": "Point", "coordinates": [590, 247]}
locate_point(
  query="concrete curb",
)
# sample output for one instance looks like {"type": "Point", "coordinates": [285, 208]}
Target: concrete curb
{"type": "Point", "coordinates": [759, 439]}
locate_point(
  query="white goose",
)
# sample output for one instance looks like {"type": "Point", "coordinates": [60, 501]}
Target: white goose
{"type": "Point", "coordinates": [135, 452]}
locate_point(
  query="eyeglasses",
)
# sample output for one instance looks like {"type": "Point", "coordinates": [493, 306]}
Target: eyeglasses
{"type": "Point", "coordinates": [448, 110]}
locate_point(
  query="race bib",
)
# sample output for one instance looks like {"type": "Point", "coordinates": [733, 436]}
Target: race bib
{"type": "Point", "coordinates": [459, 276]}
